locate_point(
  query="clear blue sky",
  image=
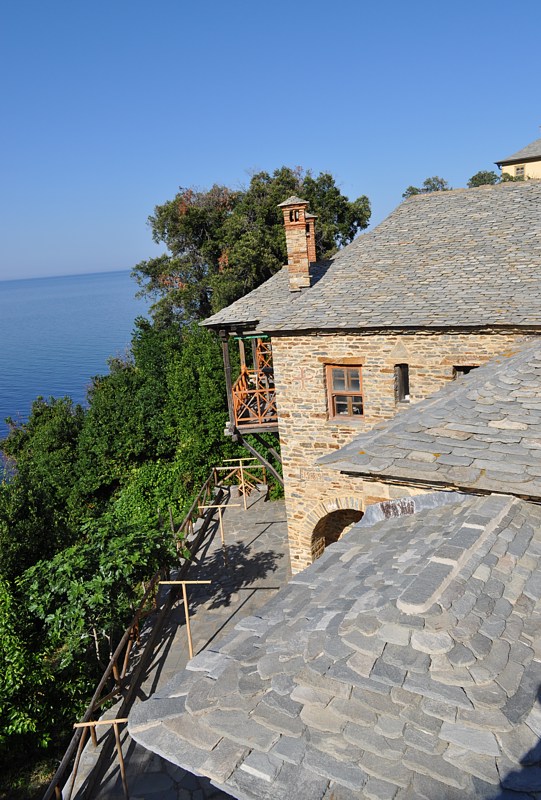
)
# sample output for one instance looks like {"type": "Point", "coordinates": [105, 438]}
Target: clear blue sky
{"type": "Point", "coordinates": [108, 106]}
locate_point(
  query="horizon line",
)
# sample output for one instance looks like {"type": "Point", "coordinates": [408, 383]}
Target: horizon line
{"type": "Point", "coordinates": [65, 275]}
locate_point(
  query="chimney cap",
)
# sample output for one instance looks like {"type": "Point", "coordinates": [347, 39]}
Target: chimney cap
{"type": "Point", "coordinates": [310, 216]}
{"type": "Point", "coordinates": [293, 201]}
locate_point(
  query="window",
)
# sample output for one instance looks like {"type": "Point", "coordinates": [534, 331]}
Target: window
{"type": "Point", "coordinates": [459, 372]}
{"type": "Point", "coordinates": [402, 383]}
{"type": "Point", "coordinates": [519, 171]}
{"type": "Point", "coordinates": [345, 391]}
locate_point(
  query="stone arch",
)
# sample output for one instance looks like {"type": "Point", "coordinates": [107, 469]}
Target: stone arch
{"type": "Point", "coordinates": [330, 519]}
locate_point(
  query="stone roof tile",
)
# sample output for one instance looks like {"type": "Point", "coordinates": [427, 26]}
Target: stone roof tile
{"type": "Point", "coordinates": [531, 151]}
{"type": "Point", "coordinates": [393, 709]}
{"type": "Point", "coordinates": [480, 433]}
{"type": "Point", "coordinates": [462, 258]}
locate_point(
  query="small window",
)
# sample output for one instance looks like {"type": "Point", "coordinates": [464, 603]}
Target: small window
{"type": "Point", "coordinates": [519, 171]}
{"type": "Point", "coordinates": [459, 372]}
{"type": "Point", "coordinates": [402, 383]}
{"type": "Point", "coordinates": [345, 392]}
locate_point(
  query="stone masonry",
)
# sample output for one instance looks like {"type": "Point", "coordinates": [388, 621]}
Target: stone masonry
{"type": "Point", "coordinates": [449, 279]}
{"type": "Point", "coordinates": [319, 499]}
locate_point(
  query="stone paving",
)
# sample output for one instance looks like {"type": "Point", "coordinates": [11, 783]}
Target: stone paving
{"type": "Point", "coordinates": [257, 566]}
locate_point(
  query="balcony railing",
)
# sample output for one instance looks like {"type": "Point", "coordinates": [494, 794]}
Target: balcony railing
{"type": "Point", "coordinates": [254, 399]}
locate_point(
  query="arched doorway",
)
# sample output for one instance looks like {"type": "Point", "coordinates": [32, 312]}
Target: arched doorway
{"type": "Point", "coordinates": [331, 527]}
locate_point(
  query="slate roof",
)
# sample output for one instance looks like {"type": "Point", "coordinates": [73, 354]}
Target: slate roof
{"type": "Point", "coordinates": [480, 433]}
{"type": "Point", "coordinates": [405, 663]}
{"type": "Point", "coordinates": [293, 201]}
{"type": "Point", "coordinates": [271, 298]}
{"type": "Point", "coordinates": [459, 259]}
{"type": "Point", "coordinates": [531, 152]}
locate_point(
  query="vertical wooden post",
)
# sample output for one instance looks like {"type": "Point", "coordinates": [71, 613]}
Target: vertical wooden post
{"type": "Point", "coordinates": [121, 760]}
{"type": "Point", "coordinates": [128, 651]}
{"type": "Point", "coordinates": [186, 609]}
{"type": "Point", "coordinates": [243, 487]}
{"type": "Point", "coordinates": [187, 613]}
{"type": "Point", "coordinates": [228, 382]}
{"type": "Point", "coordinates": [242, 352]}
{"type": "Point", "coordinates": [254, 355]}
{"type": "Point", "coordinates": [93, 735]}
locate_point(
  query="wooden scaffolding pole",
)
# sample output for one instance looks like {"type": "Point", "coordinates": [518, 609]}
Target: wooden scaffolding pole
{"type": "Point", "coordinates": [220, 512]}
{"type": "Point", "coordinates": [186, 609]}
{"type": "Point", "coordinates": [115, 723]}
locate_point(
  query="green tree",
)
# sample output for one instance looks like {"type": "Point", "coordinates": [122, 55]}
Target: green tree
{"type": "Point", "coordinates": [197, 422]}
{"type": "Point", "coordinates": [23, 676]}
{"type": "Point", "coordinates": [84, 596]}
{"type": "Point", "coordinates": [483, 178]}
{"type": "Point", "coordinates": [223, 243]}
{"type": "Point", "coordinates": [433, 184]}
{"type": "Point", "coordinates": [505, 177]}
{"type": "Point", "coordinates": [124, 426]}
{"type": "Point", "coordinates": [35, 513]}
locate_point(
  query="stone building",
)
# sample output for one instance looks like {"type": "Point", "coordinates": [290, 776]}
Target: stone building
{"type": "Point", "coordinates": [405, 664]}
{"type": "Point", "coordinates": [525, 163]}
{"type": "Point", "coordinates": [328, 350]}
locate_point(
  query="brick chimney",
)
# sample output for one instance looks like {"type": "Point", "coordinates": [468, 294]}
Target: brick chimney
{"type": "Point", "coordinates": [300, 242]}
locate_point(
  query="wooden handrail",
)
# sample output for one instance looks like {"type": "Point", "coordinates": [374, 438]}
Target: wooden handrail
{"type": "Point", "coordinates": [254, 405]}
{"type": "Point", "coordinates": [126, 642]}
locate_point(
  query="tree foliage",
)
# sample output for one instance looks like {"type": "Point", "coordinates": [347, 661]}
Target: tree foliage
{"type": "Point", "coordinates": [433, 184]}
{"type": "Point", "coordinates": [222, 243]}
{"type": "Point", "coordinates": [79, 514]}
{"type": "Point", "coordinates": [483, 178]}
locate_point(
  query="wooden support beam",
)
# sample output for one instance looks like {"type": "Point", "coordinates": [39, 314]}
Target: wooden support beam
{"type": "Point", "coordinates": [254, 352]}
{"type": "Point", "coordinates": [186, 609]}
{"type": "Point", "coordinates": [224, 337]}
{"type": "Point", "coordinates": [242, 352]}
{"type": "Point", "coordinates": [263, 460]}
{"type": "Point", "coordinates": [271, 450]}
{"type": "Point", "coordinates": [121, 760]}
{"type": "Point", "coordinates": [239, 460]}
{"type": "Point", "coordinates": [220, 512]}
{"type": "Point", "coordinates": [94, 723]}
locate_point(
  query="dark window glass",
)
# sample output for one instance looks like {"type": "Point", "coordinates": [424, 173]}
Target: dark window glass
{"type": "Point", "coordinates": [460, 371]}
{"type": "Point", "coordinates": [402, 383]}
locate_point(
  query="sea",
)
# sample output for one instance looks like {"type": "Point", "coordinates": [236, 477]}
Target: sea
{"type": "Point", "coordinates": [57, 333]}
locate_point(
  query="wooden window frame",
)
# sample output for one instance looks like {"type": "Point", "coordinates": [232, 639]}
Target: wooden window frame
{"type": "Point", "coordinates": [333, 393]}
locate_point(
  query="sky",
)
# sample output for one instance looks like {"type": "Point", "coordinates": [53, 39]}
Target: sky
{"type": "Point", "coordinates": [109, 106]}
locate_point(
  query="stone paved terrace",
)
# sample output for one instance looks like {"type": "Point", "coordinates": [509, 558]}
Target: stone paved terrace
{"type": "Point", "coordinates": [258, 565]}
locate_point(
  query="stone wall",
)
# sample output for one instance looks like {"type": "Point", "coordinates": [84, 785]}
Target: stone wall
{"type": "Point", "coordinates": [307, 433]}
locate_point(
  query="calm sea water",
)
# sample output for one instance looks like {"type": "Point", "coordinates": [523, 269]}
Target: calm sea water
{"type": "Point", "coordinates": [56, 333]}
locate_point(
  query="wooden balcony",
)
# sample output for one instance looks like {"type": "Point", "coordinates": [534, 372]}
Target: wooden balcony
{"type": "Point", "coordinates": [254, 401]}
